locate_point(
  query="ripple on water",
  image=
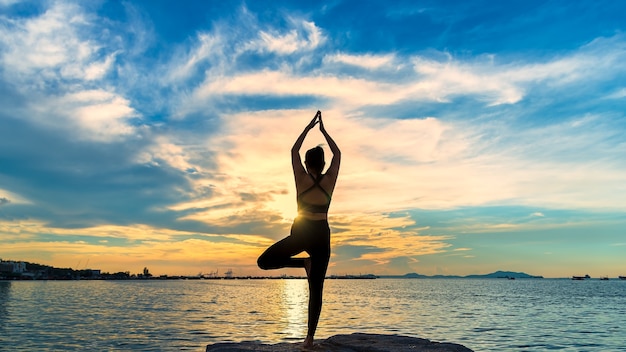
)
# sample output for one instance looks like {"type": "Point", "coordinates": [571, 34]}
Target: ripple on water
{"type": "Point", "coordinates": [485, 315]}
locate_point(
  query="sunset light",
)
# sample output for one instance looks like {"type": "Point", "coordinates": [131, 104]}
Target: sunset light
{"type": "Point", "coordinates": [155, 134]}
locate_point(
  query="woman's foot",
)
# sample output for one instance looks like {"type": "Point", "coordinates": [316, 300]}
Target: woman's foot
{"type": "Point", "coordinates": [307, 268]}
{"type": "Point", "coordinates": [308, 342]}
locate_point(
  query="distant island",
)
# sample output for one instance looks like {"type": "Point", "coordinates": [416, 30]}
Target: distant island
{"type": "Point", "coordinates": [496, 275]}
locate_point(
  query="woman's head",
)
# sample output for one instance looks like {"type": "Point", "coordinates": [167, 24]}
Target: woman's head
{"type": "Point", "coordinates": [314, 159]}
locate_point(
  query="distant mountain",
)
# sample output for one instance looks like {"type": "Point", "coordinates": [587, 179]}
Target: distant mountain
{"type": "Point", "coordinates": [413, 276]}
{"type": "Point", "coordinates": [505, 275]}
{"type": "Point", "coordinates": [420, 276]}
{"type": "Point", "coordinates": [496, 275]}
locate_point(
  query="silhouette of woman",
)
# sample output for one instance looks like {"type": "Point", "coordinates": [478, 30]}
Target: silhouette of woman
{"type": "Point", "coordinates": [310, 231]}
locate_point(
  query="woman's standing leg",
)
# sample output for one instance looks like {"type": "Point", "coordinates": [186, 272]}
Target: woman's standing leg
{"type": "Point", "coordinates": [319, 265]}
{"type": "Point", "coordinates": [320, 255]}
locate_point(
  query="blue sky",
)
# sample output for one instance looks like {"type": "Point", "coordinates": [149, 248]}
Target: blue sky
{"type": "Point", "coordinates": [476, 135]}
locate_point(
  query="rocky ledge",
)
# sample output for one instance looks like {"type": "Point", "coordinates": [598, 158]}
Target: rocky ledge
{"type": "Point", "coordinates": [356, 342]}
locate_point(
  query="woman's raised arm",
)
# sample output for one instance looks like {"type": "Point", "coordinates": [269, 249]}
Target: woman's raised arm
{"type": "Point", "coordinates": [334, 163]}
{"type": "Point", "coordinates": [296, 161]}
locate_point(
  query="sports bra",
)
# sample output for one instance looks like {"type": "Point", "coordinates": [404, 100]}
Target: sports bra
{"type": "Point", "coordinates": [313, 208]}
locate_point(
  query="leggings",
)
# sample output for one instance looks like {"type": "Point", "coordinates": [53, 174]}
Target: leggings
{"type": "Point", "coordinates": [313, 237]}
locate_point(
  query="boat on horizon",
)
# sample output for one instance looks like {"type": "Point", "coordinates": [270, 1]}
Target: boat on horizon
{"type": "Point", "coordinates": [581, 277]}
{"type": "Point", "coordinates": [621, 277]}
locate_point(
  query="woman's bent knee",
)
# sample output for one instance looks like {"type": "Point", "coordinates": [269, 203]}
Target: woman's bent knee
{"type": "Point", "coordinates": [263, 263]}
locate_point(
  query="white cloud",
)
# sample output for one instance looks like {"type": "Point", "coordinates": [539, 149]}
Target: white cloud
{"type": "Point", "coordinates": [95, 114]}
{"type": "Point", "coordinates": [350, 91]}
{"type": "Point", "coordinates": [51, 45]}
{"type": "Point", "coordinates": [371, 62]}
{"type": "Point", "coordinates": [434, 80]}
{"type": "Point", "coordinates": [170, 152]}
{"type": "Point", "coordinates": [442, 80]}
{"type": "Point", "coordinates": [305, 36]}
{"type": "Point", "coordinates": [55, 50]}
{"type": "Point", "coordinates": [12, 198]}
{"type": "Point", "coordinates": [619, 94]}
{"type": "Point", "coordinates": [97, 70]}
{"type": "Point", "coordinates": [507, 83]}
{"type": "Point", "coordinates": [208, 46]}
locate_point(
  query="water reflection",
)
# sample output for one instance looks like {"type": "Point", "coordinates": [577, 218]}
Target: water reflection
{"type": "Point", "coordinates": [5, 293]}
{"type": "Point", "coordinates": [294, 308]}
{"type": "Point", "coordinates": [485, 315]}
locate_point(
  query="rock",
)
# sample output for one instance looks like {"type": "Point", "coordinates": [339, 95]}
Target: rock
{"type": "Point", "coordinates": [356, 342]}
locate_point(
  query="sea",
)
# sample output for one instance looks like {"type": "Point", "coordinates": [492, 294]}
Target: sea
{"type": "Point", "coordinates": [176, 315]}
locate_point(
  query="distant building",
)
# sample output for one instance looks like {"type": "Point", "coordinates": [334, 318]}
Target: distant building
{"type": "Point", "coordinates": [10, 266]}
{"type": "Point", "coordinates": [6, 267]}
{"type": "Point", "coordinates": [228, 274]}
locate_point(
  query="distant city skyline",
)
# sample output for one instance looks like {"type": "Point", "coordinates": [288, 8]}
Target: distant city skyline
{"type": "Point", "coordinates": [19, 270]}
{"type": "Point", "coordinates": [476, 136]}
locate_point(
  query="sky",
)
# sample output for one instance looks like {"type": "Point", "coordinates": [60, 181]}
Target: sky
{"type": "Point", "coordinates": [476, 135]}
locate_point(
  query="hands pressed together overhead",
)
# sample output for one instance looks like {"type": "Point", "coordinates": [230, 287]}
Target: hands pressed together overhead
{"type": "Point", "coordinates": [331, 143]}
{"type": "Point", "coordinates": [316, 119]}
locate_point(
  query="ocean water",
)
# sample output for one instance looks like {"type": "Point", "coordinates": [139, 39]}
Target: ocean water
{"type": "Point", "coordinates": [160, 315]}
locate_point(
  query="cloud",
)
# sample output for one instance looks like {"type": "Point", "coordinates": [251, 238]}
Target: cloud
{"type": "Point", "coordinates": [368, 61]}
{"type": "Point", "coordinates": [90, 114]}
{"type": "Point", "coordinates": [217, 52]}
{"type": "Point", "coordinates": [100, 115]}
{"type": "Point", "coordinates": [619, 94]}
{"type": "Point", "coordinates": [7, 197]}
{"type": "Point", "coordinates": [54, 63]}
{"type": "Point", "coordinates": [385, 237]}
{"type": "Point", "coordinates": [349, 91]}
{"type": "Point", "coordinates": [440, 79]}
{"type": "Point", "coordinates": [306, 36]}
{"type": "Point", "coordinates": [51, 46]}
{"type": "Point", "coordinates": [208, 47]}
{"type": "Point", "coordinates": [498, 82]}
